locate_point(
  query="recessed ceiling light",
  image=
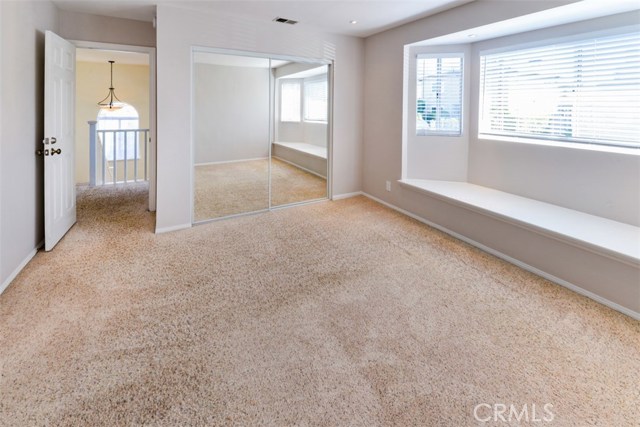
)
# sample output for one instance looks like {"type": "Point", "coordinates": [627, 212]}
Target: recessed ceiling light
{"type": "Point", "coordinates": [353, 21]}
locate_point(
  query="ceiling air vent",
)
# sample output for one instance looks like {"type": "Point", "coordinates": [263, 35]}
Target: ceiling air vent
{"type": "Point", "coordinates": [284, 20]}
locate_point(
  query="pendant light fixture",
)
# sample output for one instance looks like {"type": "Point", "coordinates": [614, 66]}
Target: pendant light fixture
{"type": "Point", "coordinates": [111, 102]}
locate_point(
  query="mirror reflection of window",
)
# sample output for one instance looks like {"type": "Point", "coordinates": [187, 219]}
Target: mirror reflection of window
{"type": "Point", "coordinates": [299, 149]}
{"type": "Point", "coordinates": [315, 100]}
{"type": "Point", "coordinates": [290, 101]}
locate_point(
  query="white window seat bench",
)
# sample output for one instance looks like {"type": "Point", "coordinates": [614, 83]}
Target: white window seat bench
{"type": "Point", "coordinates": [310, 157]}
{"type": "Point", "coordinates": [610, 238]}
{"type": "Point", "coordinates": [305, 147]}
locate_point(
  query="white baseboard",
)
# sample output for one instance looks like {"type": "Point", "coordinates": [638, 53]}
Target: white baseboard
{"type": "Point", "coordinates": [300, 167]}
{"type": "Point", "coordinates": [348, 195]}
{"type": "Point", "coordinates": [18, 269]}
{"type": "Point", "coordinates": [624, 310]}
{"type": "Point", "coordinates": [172, 228]}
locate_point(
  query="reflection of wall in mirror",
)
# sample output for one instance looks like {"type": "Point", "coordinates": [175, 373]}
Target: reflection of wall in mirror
{"type": "Point", "coordinates": [231, 117]}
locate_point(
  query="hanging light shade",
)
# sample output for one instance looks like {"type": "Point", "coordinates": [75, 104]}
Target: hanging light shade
{"type": "Point", "coordinates": [111, 102]}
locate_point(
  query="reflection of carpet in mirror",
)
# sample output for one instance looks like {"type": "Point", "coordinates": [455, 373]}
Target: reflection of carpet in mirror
{"type": "Point", "coordinates": [290, 184]}
{"type": "Point", "coordinates": [232, 188]}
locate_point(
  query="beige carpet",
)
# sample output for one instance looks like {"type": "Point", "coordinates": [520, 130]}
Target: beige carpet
{"type": "Point", "coordinates": [331, 314]}
{"type": "Point", "coordinates": [232, 188]}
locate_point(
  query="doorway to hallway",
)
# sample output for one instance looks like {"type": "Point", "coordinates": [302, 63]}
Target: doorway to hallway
{"type": "Point", "coordinates": [115, 143]}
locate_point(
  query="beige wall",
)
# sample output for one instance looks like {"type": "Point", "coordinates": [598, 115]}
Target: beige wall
{"type": "Point", "coordinates": [131, 84]}
{"type": "Point", "coordinates": [22, 29]}
{"type": "Point", "coordinates": [104, 29]}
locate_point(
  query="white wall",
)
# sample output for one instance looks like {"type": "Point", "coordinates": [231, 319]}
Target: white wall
{"type": "Point", "coordinates": [3, 280]}
{"type": "Point", "coordinates": [434, 156]}
{"type": "Point", "coordinates": [231, 113]}
{"type": "Point", "coordinates": [104, 29]}
{"type": "Point", "coordinates": [603, 183]}
{"type": "Point", "coordinates": [597, 182]}
{"type": "Point", "coordinates": [384, 53]}
{"type": "Point", "coordinates": [21, 171]}
{"type": "Point", "coordinates": [180, 29]}
{"type": "Point", "coordinates": [310, 132]}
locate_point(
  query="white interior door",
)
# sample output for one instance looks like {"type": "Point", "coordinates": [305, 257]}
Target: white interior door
{"type": "Point", "coordinates": [59, 143]}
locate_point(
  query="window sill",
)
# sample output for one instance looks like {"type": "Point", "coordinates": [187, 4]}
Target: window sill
{"type": "Point", "coordinates": [438, 134]}
{"type": "Point", "coordinates": [557, 144]}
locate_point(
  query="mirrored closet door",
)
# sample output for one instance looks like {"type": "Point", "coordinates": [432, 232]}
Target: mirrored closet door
{"type": "Point", "coordinates": [231, 101]}
{"type": "Point", "coordinates": [260, 133]}
{"type": "Point", "coordinates": [299, 149]}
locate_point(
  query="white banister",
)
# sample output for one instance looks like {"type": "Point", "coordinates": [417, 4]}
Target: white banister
{"type": "Point", "coordinates": [103, 158]}
{"type": "Point", "coordinates": [146, 150]}
{"type": "Point", "coordinates": [126, 158]}
{"type": "Point", "coordinates": [117, 141]}
{"type": "Point", "coordinates": [135, 156]}
{"type": "Point", "coordinates": [92, 152]}
{"type": "Point", "coordinates": [114, 159]}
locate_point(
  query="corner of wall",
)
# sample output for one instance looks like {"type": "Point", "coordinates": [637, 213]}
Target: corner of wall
{"type": "Point", "coordinates": [22, 127]}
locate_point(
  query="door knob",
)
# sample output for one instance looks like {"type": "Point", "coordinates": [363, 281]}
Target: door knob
{"type": "Point", "coordinates": [41, 152]}
{"type": "Point", "coordinates": [53, 140]}
{"type": "Point", "coordinates": [55, 151]}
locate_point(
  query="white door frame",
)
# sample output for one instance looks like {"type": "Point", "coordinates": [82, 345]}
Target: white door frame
{"type": "Point", "coordinates": [151, 51]}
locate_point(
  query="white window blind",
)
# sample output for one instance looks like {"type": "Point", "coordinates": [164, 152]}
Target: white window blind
{"type": "Point", "coordinates": [315, 100]}
{"type": "Point", "coordinates": [580, 91]}
{"type": "Point", "coordinates": [290, 102]}
{"type": "Point", "coordinates": [439, 95]}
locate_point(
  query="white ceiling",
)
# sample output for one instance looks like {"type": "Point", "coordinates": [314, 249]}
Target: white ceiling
{"type": "Point", "coordinates": [574, 12]}
{"type": "Point", "coordinates": [332, 16]}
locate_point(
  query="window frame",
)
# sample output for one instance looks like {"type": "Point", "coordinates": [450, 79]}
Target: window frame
{"type": "Point", "coordinates": [312, 80]}
{"type": "Point", "coordinates": [420, 133]}
{"type": "Point", "coordinates": [556, 140]}
{"type": "Point", "coordinates": [300, 85]}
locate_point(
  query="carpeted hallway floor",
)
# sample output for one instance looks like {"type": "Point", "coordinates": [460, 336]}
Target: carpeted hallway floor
{"type": "Point", "coordinates": [332, 314]}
